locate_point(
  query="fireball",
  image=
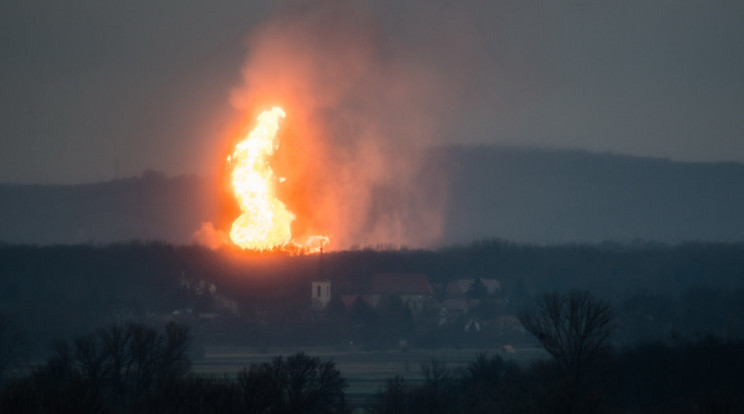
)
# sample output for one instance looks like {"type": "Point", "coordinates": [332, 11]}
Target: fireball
{"type": "Point", "coordinates": [265, 223]}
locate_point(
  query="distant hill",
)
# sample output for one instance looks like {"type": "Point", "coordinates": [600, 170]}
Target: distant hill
{"type": "Point", "coordinates": [525, 195]}
{"type": "Point", "coordinates": [568, 196]}
{"type": "Point", "coordinates": [151, 207]}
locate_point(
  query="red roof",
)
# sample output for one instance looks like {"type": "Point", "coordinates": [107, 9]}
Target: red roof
{"type": "Point", "coordinates": [400, 284]}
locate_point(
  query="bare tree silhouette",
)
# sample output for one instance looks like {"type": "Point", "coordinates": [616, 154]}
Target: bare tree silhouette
{"type": "Point", "coordinates": [297, 384]}
{"type": "Point", "coordinates": [574, 328]}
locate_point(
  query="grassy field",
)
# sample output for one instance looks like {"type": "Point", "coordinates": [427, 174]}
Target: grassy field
{"type": "Point", "coordinates": [366, 371]}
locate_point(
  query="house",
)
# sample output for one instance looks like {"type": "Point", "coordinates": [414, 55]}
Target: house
{"type": "Point", "coordinates": [412, 288]}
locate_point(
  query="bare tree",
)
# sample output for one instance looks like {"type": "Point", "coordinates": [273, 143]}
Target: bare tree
{"type": "Point", "coordinates": [91, 357]}
{"type": "Point", "coordinates": [114, 340]}
{"type": "Point", "coordinates": [574, 328]}
{"type": "Point", "coordinates": [123, 364]}
{"type": "Point", "coordinates": [312, 385]}
{"type": "Point", "coordinates": [393, 399]}
{"type": "Point", "coordinates": [261, 387]}
{"type": "Point", "coordinates": [298, 384]}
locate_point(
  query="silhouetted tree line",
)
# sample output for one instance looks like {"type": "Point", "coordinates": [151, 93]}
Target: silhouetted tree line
{"type": "Point", "coordinates": [585, 375]}
{"type": "Point", "coordinates": [132, 368]}
{"type": "Point", "coordinates": [117, 366]}
{"type": "Point", "coordinates": [692, 376]}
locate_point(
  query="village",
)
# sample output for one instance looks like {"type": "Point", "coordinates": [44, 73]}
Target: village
{"type": "Point", "coordinates": [388, 310]}
{"type": "Point", "coordinates": [474, 304]}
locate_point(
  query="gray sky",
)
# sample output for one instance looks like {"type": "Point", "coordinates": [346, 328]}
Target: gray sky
{"type": "Point", "coordinates": [86, 83]}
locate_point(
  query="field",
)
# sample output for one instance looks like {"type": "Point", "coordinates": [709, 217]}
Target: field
{"type": "Point", "coordinates": [366, 371]}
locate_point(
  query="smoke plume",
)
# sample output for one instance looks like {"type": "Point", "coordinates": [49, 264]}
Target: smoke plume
{"type": "Point", "coordinates": [361, 108]}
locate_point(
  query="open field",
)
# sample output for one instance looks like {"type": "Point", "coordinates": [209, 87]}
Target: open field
{"type": "Point", "coordinates": [366, 371]}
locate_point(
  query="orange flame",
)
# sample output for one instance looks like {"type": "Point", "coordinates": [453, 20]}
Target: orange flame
{"type": "Point", "coordinates": [265, 222]}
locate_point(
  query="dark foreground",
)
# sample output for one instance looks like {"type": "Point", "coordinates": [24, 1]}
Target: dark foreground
{"type": "Point", "coordinates": [131, 368]}
{"type": "Point", "coordinates": [666, 331]}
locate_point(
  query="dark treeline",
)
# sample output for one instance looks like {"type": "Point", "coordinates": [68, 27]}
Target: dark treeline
{"type": "Point", "coordinates": [689, 376]}
{"type": "Point", "coordinates": [131, 368]}
{"type": "Point", "coordinates": [585, 374]}
{"type": "Point", "coordinates": [657, 290]}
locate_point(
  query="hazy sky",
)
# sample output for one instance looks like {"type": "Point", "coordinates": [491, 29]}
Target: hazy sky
{"type": "Point", "coordinates": [87, 85]}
